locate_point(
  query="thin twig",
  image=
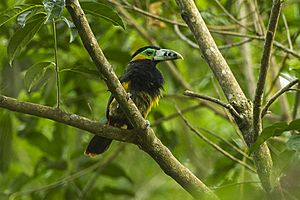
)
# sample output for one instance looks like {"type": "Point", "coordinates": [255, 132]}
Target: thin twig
{"type": "Point", "coordinates": [134, 8]}
{"type": "Point", "coordinates": [234, 184]}
{"type": "Point", "coordinates": [227, 142]}
{"type": "Point", "coordinates": [235, 44]}
{"type": "Point", "coordinates": [56, 64]}
{"type": "Point", "coordinates": [214, 100]}
{"type": "Point", "coordinates": [194, 45]}
{"type": "Point", "coordinates": [273, 98]}
{"type": "Point", "coordinates": [184, 38]}
{"type": "Point", "coordinates": [171, 116]}
{"type": "Point", "coordinates": [232, 17]}
{"type": "Point", "coordinates": [265, 62]}
{"type": "Point", "coordinates": [288, 35]}
{"type": "Point", "coordinates": [276, 43]}
{"type": "Point", "coordinates": [218, 148]}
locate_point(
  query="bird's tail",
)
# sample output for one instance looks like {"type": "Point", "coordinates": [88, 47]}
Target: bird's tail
{"type": "Point", "coordinates": [97, 145]}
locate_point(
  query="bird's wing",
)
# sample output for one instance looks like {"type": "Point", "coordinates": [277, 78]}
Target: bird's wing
{"type": "Point", "coordinates": [124, 79]}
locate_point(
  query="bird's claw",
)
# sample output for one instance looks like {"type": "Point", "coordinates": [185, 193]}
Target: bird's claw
{"type": "Point", "coordinates": [147, 124]}
{"type": "Point", "coordinates": [128, 95]}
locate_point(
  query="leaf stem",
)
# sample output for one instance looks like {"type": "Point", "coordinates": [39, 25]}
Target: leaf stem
{"type": "Point", "coordinates": [56, 64]}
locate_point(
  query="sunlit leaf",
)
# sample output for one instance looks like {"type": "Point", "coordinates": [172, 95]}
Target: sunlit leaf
{"type": "Point", "coordinates": [24, 35]}
{"type": "Point", "coordinates": [34, 73]}
{"type": "Point", "coordinates": [11, 13]}
{"type": "Point", "coordinates": [53, 8]}
{"type": "Point", "coordinates": [103, 11]}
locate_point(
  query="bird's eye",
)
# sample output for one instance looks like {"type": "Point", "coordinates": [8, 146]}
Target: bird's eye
{"type": "Point", "coordinates": [149, 53]}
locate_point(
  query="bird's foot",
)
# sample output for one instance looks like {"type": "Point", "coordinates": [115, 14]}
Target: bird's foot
{"type": "Point", "coordinates": [128, 95]}
{"type": "Point", "coordinates": [147, 124]}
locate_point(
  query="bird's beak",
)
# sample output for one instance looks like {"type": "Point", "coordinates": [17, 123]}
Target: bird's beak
{"type": "Point", "coordinates": [166, 54]}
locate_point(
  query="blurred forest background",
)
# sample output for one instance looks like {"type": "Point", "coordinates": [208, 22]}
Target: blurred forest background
{"type": "Point", "coordinates": [42, 159]}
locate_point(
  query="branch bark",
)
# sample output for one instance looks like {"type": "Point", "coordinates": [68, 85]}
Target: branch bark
{"type": "Point", "coordinates": [69, 119]}
{"type": "Point", "coordinates": [265, 62]}
{"type": "Point", "coordinates": [276, 96]}
{"type": "Point", "coordinates": [146, 137]}
{"type": "Point", "coordinates": [229, 85]}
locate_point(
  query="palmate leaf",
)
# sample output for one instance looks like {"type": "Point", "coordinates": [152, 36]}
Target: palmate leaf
{"type": "Point", "coordinates": [103, 11]}
{"type": "Point", "coordinates": [275, 129]}
{"type": "Point", "coordinates": [11, 13]}
{"type": "Point", "coordinates": [24, 35]}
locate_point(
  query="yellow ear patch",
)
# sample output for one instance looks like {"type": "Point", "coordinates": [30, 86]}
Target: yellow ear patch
{"type": "Point", "coordinates": [139, 57]}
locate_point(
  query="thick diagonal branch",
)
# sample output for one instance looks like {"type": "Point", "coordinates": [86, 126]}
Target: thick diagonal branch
{"type": "Point", "coordinates": [146, 137]}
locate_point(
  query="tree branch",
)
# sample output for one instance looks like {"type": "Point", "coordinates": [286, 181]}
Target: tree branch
{"type": "Point", "coordinates": [146, 137]}
{"type": "Point", "coordinates": [214, 100]}
{"type": "Point", "coordinates": [262, 157]}
{"type": "Point", "coordinates": [265, 62]}
{"type": "Point", "coordinates": [68, 118]}
{"type": "Point", "coordinates": [273, 98]}
{"type": "Point", "coordinates": [229, 85]}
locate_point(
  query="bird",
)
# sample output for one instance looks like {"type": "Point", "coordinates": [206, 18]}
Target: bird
{"type": "Point", "coordinates": [144, 84]}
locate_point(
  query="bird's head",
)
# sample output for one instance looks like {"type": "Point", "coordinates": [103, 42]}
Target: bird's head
{"type": "Point", "coordinates": [155, 54]}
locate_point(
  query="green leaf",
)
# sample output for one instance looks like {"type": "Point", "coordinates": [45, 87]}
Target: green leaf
{"type": "Point", "coordinates": [53, 8]}
{"type": "Point", "coordinates": [275, 130]}
{"type": "Point", "coordinates": [85, 71]}
{"type": "Point", "coordinates": [103, 11]}
{"type": "Point", "coordinates": [34, 74]}
{"type": "Point", "coordinates": [295, 125]}
{"type": "Point", "coordinates": [24, 35]}
{"type": "Point", "coordinates": [11, 13]}
{"type": "Point", "coordinates": [43, 80]}
{"type": "Point", "coordinates": [294, 143]}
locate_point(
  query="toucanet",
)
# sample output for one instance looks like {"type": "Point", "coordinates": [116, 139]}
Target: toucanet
{"type": "Point", "coordinates": [144, 82]}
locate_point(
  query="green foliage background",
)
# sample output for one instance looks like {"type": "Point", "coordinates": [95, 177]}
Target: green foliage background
{"type": "Point", "coordinates": [42, 159]}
